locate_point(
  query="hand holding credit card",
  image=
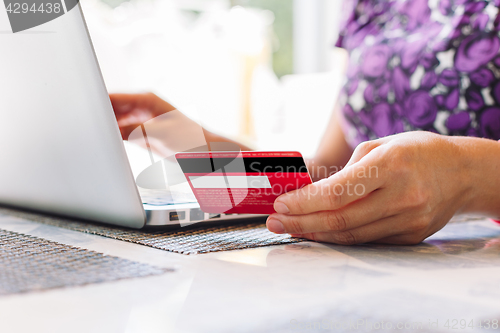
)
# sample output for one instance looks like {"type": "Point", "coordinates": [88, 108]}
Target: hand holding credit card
{"type": "Point", "coordinates": [242, 182]}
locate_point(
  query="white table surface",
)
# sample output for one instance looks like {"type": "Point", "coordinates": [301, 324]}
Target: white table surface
{"type": "Point", "coordinates": [289, 288]}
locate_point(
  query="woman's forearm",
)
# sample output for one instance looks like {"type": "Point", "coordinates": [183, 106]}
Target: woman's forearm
{"type": "Point", "coordinates": [212, 138]}
{"type": "Point", "coordinates": [333, 153]}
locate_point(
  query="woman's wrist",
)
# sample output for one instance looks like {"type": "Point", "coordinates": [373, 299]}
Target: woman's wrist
{"type": "Point", "coordinates": [480, 161]}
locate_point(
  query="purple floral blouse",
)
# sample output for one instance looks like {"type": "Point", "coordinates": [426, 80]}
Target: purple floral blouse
{"type": "Point", "coordinates": [429, 65]}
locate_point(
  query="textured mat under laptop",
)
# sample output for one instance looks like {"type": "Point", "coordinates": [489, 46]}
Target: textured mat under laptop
{"type": "Point", "coordinates": [32, 264]}
{"type": "Point", "coordinates": [191, 240]}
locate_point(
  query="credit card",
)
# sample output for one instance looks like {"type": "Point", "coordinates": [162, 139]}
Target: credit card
{"type": "Point", "coordinates": [242, 182]}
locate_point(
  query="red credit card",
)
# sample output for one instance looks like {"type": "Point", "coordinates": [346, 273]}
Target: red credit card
{"type": "Point", "coordinates": [242, 182]}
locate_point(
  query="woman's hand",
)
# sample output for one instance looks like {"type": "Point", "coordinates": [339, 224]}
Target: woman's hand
{"type": "Point", "coordinates": [399, 189]}
{"type": "Point", "coordinates": [132, 110]}
{"type": "Point", "coordinates": [168, 133]}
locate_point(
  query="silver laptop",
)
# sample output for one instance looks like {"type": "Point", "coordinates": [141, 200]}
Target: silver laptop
{"type": "Point", "coordinates": [60, 147]}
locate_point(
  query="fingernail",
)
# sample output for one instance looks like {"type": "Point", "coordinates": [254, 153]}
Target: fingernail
{"type": "Point", "coordinates": [281, 208]}
{"type": "Point", "coordinates": [275, 226]}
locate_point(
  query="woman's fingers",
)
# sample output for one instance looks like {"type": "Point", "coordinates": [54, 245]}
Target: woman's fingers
{"type": "Point", "coordinates": [124, 103]}
{"type": "Point", "coordinates": [389, 228]}
{"type": "Point", "coordinates": [132, 110]}
{"type": "Point", "coordinates": [359, 213]}
{"type": "Point", "coordinates": [128, 102]}
{"type": "Point", "coordinates": [147, 102]}
{"type": "Point", "coordinates": [333, 193]}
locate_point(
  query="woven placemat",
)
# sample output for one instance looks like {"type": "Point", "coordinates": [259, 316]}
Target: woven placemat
{"type": "Point", "coordinates": [32, 264]}
{"type": "Point", "coordinates": [189, 240]}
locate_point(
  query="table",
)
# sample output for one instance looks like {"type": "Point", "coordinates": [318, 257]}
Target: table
{"type": "Point", "coordinates": [305, 287]}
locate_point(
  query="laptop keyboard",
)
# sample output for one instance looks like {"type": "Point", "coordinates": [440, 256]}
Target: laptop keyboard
{"type": "Point", "coordinates": [164, 197]}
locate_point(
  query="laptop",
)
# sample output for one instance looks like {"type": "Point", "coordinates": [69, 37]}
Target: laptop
{"type": "Point", "coordinates": [61, 151]}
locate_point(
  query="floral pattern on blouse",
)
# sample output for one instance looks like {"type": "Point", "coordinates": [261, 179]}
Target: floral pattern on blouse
{"type": "Point", "coordinates": [429, 65]}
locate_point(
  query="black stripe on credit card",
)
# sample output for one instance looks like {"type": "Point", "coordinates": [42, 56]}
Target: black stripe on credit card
{"type": "Point", "coordinates": [250, 164]}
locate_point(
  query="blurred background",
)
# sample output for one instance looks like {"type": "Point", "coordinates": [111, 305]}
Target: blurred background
{"type": "Point", "coordinates": [264, 72]}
